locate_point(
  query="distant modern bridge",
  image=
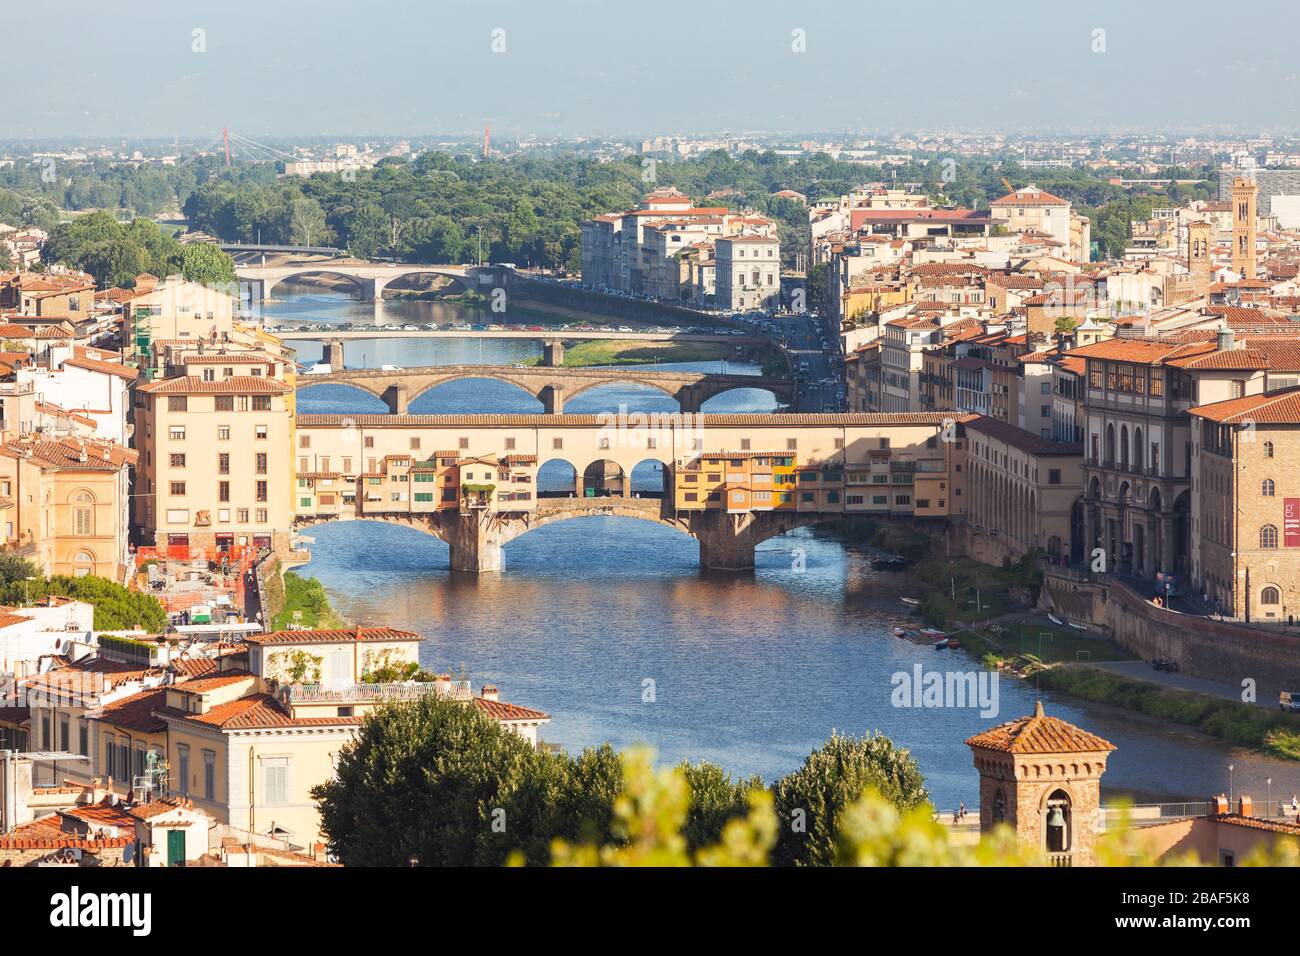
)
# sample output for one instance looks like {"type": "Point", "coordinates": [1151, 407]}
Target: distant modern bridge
{"type": "Point", "coordinates": [552, 386]}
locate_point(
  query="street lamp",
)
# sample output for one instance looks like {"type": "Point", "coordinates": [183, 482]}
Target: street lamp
{"type": "Point", "coordinates": [1268, 798]}
{"type": "Point", "coordinates": [1231, 768]}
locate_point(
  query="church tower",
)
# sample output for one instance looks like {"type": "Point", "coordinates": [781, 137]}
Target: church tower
{"type": "Point", "coordinates": [1244, 193]}
{"type": "Point", "coordinates": [1199, 261]}
{"type": "Point", "coordinates": [1041, 776]}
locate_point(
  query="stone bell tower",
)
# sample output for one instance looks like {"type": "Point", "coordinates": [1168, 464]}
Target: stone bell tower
{"type": "Point", "coordinates": [1041, 776]}
{"type": "Point", "coordinates": [1198, 250]}
{"type": "Point", "coordinates": [1244, 193]}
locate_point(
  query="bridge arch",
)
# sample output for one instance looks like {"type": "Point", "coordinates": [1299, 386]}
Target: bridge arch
{"type": "Point", "coordinates": [269, 284]}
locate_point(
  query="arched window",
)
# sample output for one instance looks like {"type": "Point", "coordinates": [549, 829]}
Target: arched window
{"type": "Point", "coordinates": [1270, 595]}
{"type": "Point", "coordinates": [1268, 449]}
{"type": "Point", "coordinates": [83, 513]}
{"type": "Point", "coordinates": [1266, 489]}
{"type": "Point", "coordinates": [83, 564]}
{"type": "Point", "coordinates": [1268, 536]}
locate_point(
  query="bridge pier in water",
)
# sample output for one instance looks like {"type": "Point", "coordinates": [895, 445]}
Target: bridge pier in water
{"type": "Point", "coordinates": [475, 540]}
{"type": "Point", "coordinates": [552, 398]}
{"type": "Point", "coordinates": [553, 353]}
{"type": "Point", "coordinates": [397, 398]}
{"type": "Point", "coordinates": [333, 356]}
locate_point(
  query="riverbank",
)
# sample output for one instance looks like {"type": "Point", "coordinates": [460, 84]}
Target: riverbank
{"type": "Point", "coordinates": [304, 603]}
{"type": "Point", "coordinates": [992, 607]}
{"type": "Point", "coordinates": [602, 352]}
{"type": "Point", "coordinates": [1272, 732]}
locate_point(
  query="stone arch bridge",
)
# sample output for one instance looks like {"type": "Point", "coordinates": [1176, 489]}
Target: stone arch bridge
{"type": "Point", "coordinates": [476, 539]}
{"type": "Point", "coordinates": [256, 283]}
{"type": "Point", "coordinates": [551, 386]}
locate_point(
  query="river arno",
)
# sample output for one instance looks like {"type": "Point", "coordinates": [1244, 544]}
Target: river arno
{"type": "Point", "coordinates": [750, 671]}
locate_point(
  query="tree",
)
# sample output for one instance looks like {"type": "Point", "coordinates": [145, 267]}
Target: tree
{"type": "Point", "coordinates": [715, 800]}
{"type": "Point", "coordinates": [206, 263]}
{"type": "Point", "coordinates": [306, 221]}
{"type": "Point", "coordinates": [116, 608]}
{"type": "Point", "coordinates": [809, 800]}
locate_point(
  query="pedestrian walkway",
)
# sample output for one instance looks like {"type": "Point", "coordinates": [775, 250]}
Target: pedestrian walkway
{"type": "Point", "coordinates": [1265, 694]}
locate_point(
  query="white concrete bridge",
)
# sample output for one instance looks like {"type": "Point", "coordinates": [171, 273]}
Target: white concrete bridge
{"type": "Point", "coordinates": [257, 283]}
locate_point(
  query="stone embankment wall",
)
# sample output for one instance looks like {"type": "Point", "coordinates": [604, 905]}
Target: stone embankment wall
{"type": "Point", "coordinates": [1215, 650]}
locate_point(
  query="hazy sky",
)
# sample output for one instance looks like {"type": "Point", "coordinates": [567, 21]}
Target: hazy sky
{"type": "Point", "coordinates": [583, 67]}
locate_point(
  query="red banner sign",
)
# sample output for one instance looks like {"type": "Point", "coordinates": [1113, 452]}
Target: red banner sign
{"type": "Point", "coordinates": [1291, 522]}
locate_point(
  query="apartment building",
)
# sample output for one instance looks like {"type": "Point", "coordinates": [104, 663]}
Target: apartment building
{"type": "Point", "coordinates": [48, 296]}
{"type": "Point", "coordinates": [1031, 209]}
{"type": "Point", "coordinates": [748, 273]}
{"type": "Point", "coordinates": [216, 462]}
{"type": "Point", "coordinates": [173, 308]}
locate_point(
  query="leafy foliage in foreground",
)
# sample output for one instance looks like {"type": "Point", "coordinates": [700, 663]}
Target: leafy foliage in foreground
{"type": "Point", "coordinates": [437, 781]}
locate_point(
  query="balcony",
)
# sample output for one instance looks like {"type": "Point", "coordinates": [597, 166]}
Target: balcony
{"type": "Point", "coordinates": [1060, 859]}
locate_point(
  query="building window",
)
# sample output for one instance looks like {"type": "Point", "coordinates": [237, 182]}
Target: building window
{"type": "Point", "coordinates": [1270, 595]}
{"type": "Point", "coordinates": [1268, 536]}
{"type": "Point", "coordinates": [415, 444]}
{"type": "Point", "coordinates": [369, 441]}
{"type": "Point", "coordinates": [261, 462]}
{"type": "Point", "coordinates": [177, 403]}
{"type": "Point", "coordinates": [1266, 488]}
{"type": "Point", "coordinates": [178, 461]}
{"type": "Point", "coordinates": [275, 780]}
{"type": "Point", "coordinates": [304, 441]}
{"type": "Point", "coordinates": [261, 491]}
{"type": "Point", "coordinates": [223, 433]}
{"type": "Point", "coordinates": [209, 775]}
{"type": "Point", "coordinates": [178, 489]}
{"type": "Point", "coordinates": [1268, 449]}
{"type": "Point", "coordinates": [225, 403]}
{"type": "Point", "coordinates": [177, 432]}
{"type": "Point", "coordinates": [261, 403]}
{"type": "Point", "coordinates": [223, 463]}
{"type": "Point", "coordinates": [223, 491]}
{"type": "Point", "coordinates": [241, 515]}
{"type": "Point", "coordinates": [259, 431]}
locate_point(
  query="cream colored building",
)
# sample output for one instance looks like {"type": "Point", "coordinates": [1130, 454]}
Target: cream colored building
{"type": "Point", "coordinates": [1022, 489]}
{"type": "Point", "coordinates": [748, 272]}
{"type": "Point", "coordinates": [216, 456]}
{"type": "Point", "coordinates": [174, 308]}
{"type": "Point", "coordinates": [66, 498]}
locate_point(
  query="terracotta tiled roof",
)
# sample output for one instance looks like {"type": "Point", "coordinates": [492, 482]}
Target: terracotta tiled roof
{"type": "Point", "coordinates": [500, 710]}
{"type": "Point", "coordinates": [254, 713]}
{"type": "Point", "coordinates": [1019, 438]}
{"type": "Point", "coordinates": [1030, 196]}
{"type": "Point", "coordinates": [1039, 734]}
{"type": "Point", "coordinates": [364, 634]}
{"type": "Point", "coordinates": [1273, 408]}
{"type": "Point", "coordinates": [135, 712]}
{"type": "Point", "coordinates": [235, 385]}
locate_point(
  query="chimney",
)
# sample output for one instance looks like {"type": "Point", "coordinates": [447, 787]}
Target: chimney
{"type": "Point", "coordinates": [1245, 806]}
{"type": "Point", "coordinates": [489, 692]}
{"type": "Point", "coordinates": [1218, 806]}
{"type": "Point", "coordinates": [1224, 339]}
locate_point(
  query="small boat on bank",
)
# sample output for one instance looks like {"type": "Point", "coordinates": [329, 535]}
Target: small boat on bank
{"type": "Point", "coordinates": [911, 602]}
{"type": "Point", "coordinates": [895, 563]}
{"type": "Point", "coordinates": [1077, 627]}
{"type": "Point", "coordinates": [900, 632]}
{"type": "Point", "coordinates": [954, 642]}
{"type": "Point", "coordinates": [1056, 620]}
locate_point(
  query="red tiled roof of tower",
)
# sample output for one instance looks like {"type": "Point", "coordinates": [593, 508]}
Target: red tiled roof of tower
{"type": "Point", "coordinates": [1039, 734]}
